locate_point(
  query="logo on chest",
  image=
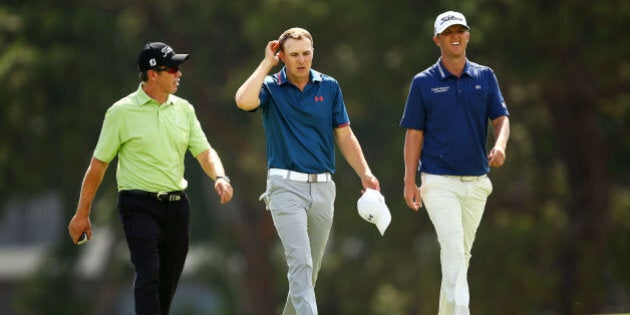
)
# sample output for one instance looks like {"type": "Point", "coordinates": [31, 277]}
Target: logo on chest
{"type": "Point", "coordinates": [440, 89]}
{"type": "Point", "coordinates": [319, 98]}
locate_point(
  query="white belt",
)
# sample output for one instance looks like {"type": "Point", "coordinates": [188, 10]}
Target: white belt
{"type": "Point", "coordinates": [300, 177]}
{"type": "Point", "coordinates": [466, 178]}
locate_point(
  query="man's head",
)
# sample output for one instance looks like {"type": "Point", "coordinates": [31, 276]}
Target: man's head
{"type": "Point", "coordinates": [159, 57]}
{"type": "Point", "coordinates": [451, 34]}
{"type": "Point", "coordinates": [296, 51]}
{"type": "Point", "coordinates": [446, 19]}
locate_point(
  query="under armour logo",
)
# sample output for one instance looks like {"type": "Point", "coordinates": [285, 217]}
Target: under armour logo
{"type": "Point", "coordinates": [319, 98]}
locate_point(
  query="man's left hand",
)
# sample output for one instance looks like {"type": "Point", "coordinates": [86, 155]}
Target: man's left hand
{"type": "Point", "coordinates": [496, 157]}
{"type": "Point", "coordinates": [224, 190]}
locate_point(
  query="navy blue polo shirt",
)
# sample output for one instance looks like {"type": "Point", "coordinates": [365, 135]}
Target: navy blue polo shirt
{"type": "Point", "coordinates": [454, 113]}
{"type": "Point", "coordinates": [299, 124]}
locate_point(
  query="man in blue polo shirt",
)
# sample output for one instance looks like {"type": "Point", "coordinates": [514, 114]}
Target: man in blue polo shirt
{"type": "Point", "coordinates": [150, 130]}
{"type": "Point", "coordinates": [303, 115]}
{"type": "Point", "coordinates": [446, 115]}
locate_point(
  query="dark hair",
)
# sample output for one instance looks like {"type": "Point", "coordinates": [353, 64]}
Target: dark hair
{"type": "Point", "coordinates": [143, 76]}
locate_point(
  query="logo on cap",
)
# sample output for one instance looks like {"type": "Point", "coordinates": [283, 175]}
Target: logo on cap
{"type": "Point", "coordinates": [166, 51]}
{"type": "Point", "coordinates": [451, 18]}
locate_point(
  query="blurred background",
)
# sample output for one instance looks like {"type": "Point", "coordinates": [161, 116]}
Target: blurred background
{"type": "Point", "coordinates": [555, 237]}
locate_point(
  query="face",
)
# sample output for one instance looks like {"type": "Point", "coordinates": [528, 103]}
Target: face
{"type": "Point", "coordinates": [453, 40]}
{"type": "Point", "coordinates": [167, 79]}
{"type": "Point", "coordinates": [298, 58]}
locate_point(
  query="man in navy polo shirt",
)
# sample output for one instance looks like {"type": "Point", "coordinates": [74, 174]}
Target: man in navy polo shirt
{"type": "Point", "coordinates": [303, 115]}
{"type": "Point", "coordinates": [446, 116]}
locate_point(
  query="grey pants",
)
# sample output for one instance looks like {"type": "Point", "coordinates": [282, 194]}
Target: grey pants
{"type": "Point", "coordinates": [302, 214]}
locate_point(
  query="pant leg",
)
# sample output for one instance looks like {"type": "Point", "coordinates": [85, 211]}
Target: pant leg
{"type": "Point", "coordinates": [288, 202]}
{"type": "Point", "coordinates": [320, 220]}
{"type": "Point", "coordinates": [143, 233]}
{"type": "Point", "coordinates": [173, 251]}
{"type": "Point", "coordinates": [441, 197]}
{"type": "Point", "coordinates": [473, 206]}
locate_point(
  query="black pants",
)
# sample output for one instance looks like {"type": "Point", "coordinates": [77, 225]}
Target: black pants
{"type": "Point", "coordinates": [157, 236]}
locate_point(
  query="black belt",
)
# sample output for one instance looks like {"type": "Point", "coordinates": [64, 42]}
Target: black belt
{"type": "Point", "coordinates": [161, 196]}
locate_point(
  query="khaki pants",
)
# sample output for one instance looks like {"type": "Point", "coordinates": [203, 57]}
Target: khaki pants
{"type": "Point", "coordinates": [455, 205]}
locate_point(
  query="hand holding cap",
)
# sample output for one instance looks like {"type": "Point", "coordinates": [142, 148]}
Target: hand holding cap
{"type": "Point", "coordinates": [372, 208]}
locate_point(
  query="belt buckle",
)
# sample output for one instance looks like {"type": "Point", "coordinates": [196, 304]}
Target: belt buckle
{"type": "Point", "coordinates": [161, 195]}
{"type": "Point", "coordinates": [164, 196]}
{"type": "Point", "coordinates": [312, 178]}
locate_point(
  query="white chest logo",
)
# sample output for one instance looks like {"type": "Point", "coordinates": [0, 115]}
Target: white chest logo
{"type": "Point", "coordinates": [440, 89]}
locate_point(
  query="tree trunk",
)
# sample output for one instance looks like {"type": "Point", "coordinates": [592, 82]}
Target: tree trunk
{"type": "Point", "coordinates": [581, 260]}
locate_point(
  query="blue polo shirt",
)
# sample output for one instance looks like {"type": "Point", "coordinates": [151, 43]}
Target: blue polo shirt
{"type": "Point", "coordinates": [454, 113]}
{"type": "Point", "coordinates": [299, 124]}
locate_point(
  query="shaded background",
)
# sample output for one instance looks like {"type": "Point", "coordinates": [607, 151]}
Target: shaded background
{"type": "Point", "coordinates": [556, 232]}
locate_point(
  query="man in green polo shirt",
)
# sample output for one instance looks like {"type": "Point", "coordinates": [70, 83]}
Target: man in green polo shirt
{"type": "Point", "coordinates": [150, 131]}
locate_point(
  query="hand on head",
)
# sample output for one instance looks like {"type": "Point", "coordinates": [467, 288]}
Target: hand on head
{"type": "Point", "coordinates": [272, 52]}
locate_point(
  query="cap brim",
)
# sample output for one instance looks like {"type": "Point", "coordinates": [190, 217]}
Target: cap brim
{"type": "Point", "coordinates": [445, 26]}
{"type": "Point", "coordinates": [178, 59]}
{"type": "Point", "coordinates": [383, 221]}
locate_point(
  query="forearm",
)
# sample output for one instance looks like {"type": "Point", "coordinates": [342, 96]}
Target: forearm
{"type": "Point", "coordinates": [351, 150]}
{"type": "Point", "coordinates": [247, 96]}
{"type": "Point", "coordinates": [411, 155]}
{"type": "Point", "coordinates": [211, 163]}
{"type": "Point", "coordinates": [212, 166]}
{"type": "Point", "coordinates": [501, 132]}
{"type": "Point", "coordinates": [91, 182]}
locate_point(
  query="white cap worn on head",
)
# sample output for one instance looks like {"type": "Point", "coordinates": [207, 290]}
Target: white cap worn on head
{"type": "Point", "coordinates": [372, 208]}
{"type": "Point", "coordinates": [447, 19]}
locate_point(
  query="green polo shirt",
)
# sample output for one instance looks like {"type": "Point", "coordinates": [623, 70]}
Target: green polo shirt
{"type": "Point", "coordinates": [151, 141]}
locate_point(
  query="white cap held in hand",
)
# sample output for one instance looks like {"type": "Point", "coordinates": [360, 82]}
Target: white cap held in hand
{"type": "Point", "coordinates": [372, 208]}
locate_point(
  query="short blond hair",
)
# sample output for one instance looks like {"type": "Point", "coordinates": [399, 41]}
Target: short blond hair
{"type": "Point", "coordinates": [294, 33]}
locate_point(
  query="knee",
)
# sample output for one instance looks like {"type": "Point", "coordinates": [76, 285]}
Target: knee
{"type": "Point", "coordinates": [147, 275]}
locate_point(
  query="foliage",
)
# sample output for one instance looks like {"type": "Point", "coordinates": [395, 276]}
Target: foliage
{"type": "Point", "coordinates": [554, 236]}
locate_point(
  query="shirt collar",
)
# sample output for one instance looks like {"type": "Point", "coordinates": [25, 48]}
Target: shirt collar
{"type": "Point", "coordinates": [142, 98]}
{"type": "Point", "coordinates": [445, 73]}
{"type": "Point", "coordinates": [282, 76]}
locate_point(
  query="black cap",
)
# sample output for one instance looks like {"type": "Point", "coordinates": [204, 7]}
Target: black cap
{"type": "Point", "coordinates": [159, 54]}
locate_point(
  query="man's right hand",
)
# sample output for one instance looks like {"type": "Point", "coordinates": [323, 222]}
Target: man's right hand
{"type": "Point", "coordinates": [272, 52]}
{"type": "Point", "coordinates": [79, 224]}
{"type": "Point", "coordinates": [412, 197]}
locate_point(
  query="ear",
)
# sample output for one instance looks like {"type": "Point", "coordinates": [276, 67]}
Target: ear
{"type": "Point", "coordinates": [152, 74]}
{"type": "Point", "coordinates": [281, 56]}
{"type": "Point", "coordinates": [436, 40]}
